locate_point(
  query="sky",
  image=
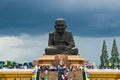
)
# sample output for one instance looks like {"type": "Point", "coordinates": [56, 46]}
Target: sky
{"type": "Point", "coordinates": [25, 25]}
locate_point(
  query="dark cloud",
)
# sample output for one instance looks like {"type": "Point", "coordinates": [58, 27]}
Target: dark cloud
{"type": "Point", "coordinates": [84, 18]}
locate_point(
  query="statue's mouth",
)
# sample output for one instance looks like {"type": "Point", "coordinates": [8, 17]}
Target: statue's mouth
{"type": "Point", "coordinates": [60, 30]}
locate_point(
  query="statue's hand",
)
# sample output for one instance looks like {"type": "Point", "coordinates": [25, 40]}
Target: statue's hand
{"type": "Point", "coordinates": [69, 47]}
{"type": "Point", "coordinates": [61, 47]}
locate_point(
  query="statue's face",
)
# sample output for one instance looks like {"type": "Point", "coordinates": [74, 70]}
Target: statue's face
{"type": "Point", "coordinates": [60, 26]}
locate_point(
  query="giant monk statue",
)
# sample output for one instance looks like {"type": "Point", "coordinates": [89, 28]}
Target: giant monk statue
{"type": "Point", "coordinates": [61, 40]}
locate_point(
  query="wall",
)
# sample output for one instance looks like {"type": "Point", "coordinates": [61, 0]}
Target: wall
{"type": "Point", "coordinates": [16, 74]}
{"type": "Point", "coordinates": [104, 74]}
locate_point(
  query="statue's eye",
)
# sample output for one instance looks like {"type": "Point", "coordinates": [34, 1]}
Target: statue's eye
{"type": "Point", "coordinates": [60, 25]}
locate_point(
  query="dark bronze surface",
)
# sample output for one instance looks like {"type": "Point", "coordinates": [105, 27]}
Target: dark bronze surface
{"type": "Point", "coordinates": [61, 40]}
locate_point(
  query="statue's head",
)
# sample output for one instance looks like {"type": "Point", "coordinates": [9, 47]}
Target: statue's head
{"type": "Point", "coordinates": [60, 25]}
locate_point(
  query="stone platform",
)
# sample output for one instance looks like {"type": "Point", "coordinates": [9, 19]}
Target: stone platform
{"type": "Point", "coordinates": [72, 59]}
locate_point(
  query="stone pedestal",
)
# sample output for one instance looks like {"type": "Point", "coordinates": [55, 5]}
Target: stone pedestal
{"type": "Point", "coordinates": [50, 59]}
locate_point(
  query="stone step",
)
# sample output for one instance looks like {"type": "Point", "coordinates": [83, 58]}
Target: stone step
{"type": "Point", "coordinates": [53, 75]}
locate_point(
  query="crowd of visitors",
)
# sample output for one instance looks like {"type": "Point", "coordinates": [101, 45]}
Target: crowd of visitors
{"type": "Point", "coordinates": [63, 70]}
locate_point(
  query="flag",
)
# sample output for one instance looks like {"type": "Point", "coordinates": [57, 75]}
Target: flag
{"type": "Point", "coordinates": [110, 64]}
{"type": "Point", "coordinates": [35, 69]}
{"type": "Point", "coordinates": [94, 64]}
{"type": "Point", "coordinates": [1, 63]}
{"type": "Point", "coordinates": [34, 76]}
{"type": "Point", "coordinates": [85, 68]}
{"type": "Point", "coordinates": [105, 64]}
{"type": "Point", "coordinates": [22, 63]}
{"type": "Point", "coordinates": [87, 76]}
{"type": "Point", "coordinates": [115, 64]}
{"type": "Point", "coordinates": [6, 63]}
{"type": "Point", "coordinates": [99, 63]}
{"type": "Point", "coordinates": [35, 73]}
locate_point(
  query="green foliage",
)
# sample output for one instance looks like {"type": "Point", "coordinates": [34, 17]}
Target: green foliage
{"type": "Point", "coordinates": [104, 56]}
{"type": "Point", "coordinates": [114, 55]}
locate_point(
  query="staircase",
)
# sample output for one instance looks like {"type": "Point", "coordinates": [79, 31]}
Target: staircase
{"type": "Point", "coordinates": [53, 75]}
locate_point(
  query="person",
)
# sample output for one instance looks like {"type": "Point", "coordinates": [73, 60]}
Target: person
{"type": "Point", "coordinates": [61, 40]}
{"type": "Point", "coordinates": [61, 75]}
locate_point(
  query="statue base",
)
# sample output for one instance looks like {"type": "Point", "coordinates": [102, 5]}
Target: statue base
{"type": "Point", "coordinates": [52, 59]}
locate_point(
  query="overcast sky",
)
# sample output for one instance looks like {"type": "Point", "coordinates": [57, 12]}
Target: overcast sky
{"type": "Point", "coordinates": [25, 25]}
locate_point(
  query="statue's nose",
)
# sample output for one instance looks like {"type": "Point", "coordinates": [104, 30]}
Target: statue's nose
{"type": "Point", "coordinates": [60, 27]}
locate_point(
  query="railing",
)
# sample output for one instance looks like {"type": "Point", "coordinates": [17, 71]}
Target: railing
{"type": "Point", "coordinates": [104, 74]}
{"type": "Point", "coordinates": [26, 74]}
{"type": "Point", "coordinates": [103, 70]}
{"type": "Point", "coordinates": [16, 74]}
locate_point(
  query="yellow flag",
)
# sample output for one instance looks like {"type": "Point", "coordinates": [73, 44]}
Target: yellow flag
{"type": "Point", "coordinates": [94, 64]}
{"type": "Point", "coordinates": [22, 63]}
{"type": "Point", "coordinates": [33, 76]}
{"type": "Point", "coordinates": [6, 63]}
{"type": "Point", "coordinates": [35, 67]}
{"type": "Point", "coordinates": [87, 78]}
{"type": "Point", "coordinates": [110, 64]}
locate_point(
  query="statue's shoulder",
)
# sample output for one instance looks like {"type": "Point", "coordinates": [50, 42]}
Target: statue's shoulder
{"type": "Point", "coordinates": [52, 33]}
{"type": "Point", "coordinates": [68, 32]}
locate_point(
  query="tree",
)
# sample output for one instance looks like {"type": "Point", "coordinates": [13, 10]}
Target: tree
{"type": "Point", "coordinates": [114, 55]}
{"type": "Point", "coordinates": [104, 56]}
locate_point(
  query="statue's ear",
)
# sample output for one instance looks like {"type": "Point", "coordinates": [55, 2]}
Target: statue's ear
{"type": "Point", "coordinates": [54, 26]}
{"type": "Point", "coordinates": [65, 26]}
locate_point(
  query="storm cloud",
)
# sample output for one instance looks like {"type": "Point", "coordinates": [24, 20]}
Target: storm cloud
{"type": "Point", "coordinates": [88, 18]}
{"type": "Point", "coordinates": [25, 24]}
